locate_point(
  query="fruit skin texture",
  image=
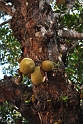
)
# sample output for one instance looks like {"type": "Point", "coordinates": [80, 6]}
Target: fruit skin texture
{"type": "Point", "coordinates": [47, 65]}
{"type": "Point", "coordinates": [36, 76]}
{"type": "Point", "coordinates": [27, 66]}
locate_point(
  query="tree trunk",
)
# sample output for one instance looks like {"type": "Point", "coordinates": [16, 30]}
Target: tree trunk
{"type": "Point", "coordinates": [35, 27]}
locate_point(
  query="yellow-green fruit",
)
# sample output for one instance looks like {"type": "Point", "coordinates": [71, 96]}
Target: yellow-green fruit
{"type": "Point", "coordinates": [47, 65]}
{"type": "Point", "coordinates": [36, 76]}
{"type": "Point", "coordinates": [27, 66]}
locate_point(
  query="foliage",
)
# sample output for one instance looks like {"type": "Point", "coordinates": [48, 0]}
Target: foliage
{"type": "Point", "coordinates": [75, 66]}
{"type": "Point", "coordinates": [73, 20]}
{"type": "Point", "coordinates": [10, 51]}
{"type": "Point", "coordinates": [9, 114]}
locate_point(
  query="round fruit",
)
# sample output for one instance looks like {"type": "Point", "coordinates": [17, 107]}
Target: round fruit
{"type": "Point", "coordinates": [27, 66]}
{"type": "Point", "coordinates": [36, 76]}
{"type": "Point", "coordinates": [47, 65]}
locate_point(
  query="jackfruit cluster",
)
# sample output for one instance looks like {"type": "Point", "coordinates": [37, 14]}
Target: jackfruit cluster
{"type": "Point", "coordinates": [27, 67]}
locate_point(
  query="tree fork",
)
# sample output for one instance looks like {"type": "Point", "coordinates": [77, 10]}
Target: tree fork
{"type": "Point", "coordinates": [34, 25]}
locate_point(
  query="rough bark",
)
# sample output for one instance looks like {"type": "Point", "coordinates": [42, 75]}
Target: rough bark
{"type": "Point", "coordinates": [6, 8]}
{"type": "Point", "coordinates": [35, 28]}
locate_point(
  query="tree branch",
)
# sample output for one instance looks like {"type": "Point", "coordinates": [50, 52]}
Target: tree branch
{"type": "Point", "coordinates": [18, 94]}
{"type": "Point", "coordinates": [68, 34]}
{"type": "Point", "coordinates": [6, 8]}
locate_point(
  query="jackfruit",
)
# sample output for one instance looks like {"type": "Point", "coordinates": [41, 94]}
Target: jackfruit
{"type": "Point", "coordinates": [27, 66]}
{"type": "Point", "coordinates": [36, 76]}
{"type": "Point", "coordinates": [47, 65]}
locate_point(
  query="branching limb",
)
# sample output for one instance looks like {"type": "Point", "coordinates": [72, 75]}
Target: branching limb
{"type": "Point", "coordinates": [68, 34]}
{"type": "Point", "coordinates": [18, 94]}
{"type": "Point", "coordinates": [7, 8]}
